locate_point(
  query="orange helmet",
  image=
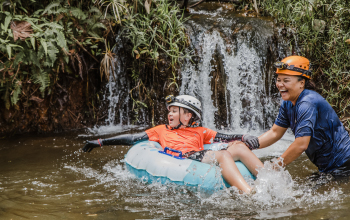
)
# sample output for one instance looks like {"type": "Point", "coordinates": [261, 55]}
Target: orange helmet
{"type": "Point", "coordinates": [295, 66]}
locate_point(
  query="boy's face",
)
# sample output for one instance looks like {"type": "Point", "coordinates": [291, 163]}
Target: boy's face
{"type": "Point", "coordinates": [174, 116]}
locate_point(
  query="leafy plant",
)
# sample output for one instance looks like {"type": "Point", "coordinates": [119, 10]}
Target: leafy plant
{"type": "Point", "coordinates": [41, 39]}
{"type": "Point", "coordinates": [156, 31]}
{"type": "Point", "coordinates": [321, 29]}
{"type": "Point", "coordinates": [161, 30]}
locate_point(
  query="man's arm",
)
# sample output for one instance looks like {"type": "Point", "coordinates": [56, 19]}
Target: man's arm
{"type": "Point", "coordinates": [128, 139]}
{"type": "Point", "coordinates": [299, 145]}
{"type": "Point", "coordinates": [271, 136]}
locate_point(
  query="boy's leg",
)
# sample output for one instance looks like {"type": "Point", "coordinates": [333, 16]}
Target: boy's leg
{"type": "Point", "coordinates": [239, 151]}
{"type": "Point", "coordinates": [229, 171]}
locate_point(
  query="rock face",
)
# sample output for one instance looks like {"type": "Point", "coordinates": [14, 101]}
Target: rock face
{"type": "Point", "coordinates": [64, 109]}
{"type": "Point", "coordinates": [232, 69]}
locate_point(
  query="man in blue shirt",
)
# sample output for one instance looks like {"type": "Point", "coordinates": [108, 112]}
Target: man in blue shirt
{"type": "Point", "coordinates": [317, 129]}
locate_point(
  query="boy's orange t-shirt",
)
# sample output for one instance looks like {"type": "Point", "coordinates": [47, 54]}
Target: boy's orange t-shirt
{"type": "Point", "coordinates": [182, 139]}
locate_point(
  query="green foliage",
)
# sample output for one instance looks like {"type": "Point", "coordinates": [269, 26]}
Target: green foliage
{"type": "Point", "coordinates": [157, 32]}
{"type": "Point", "coordinates": [115, 6]}
{"type": "Point", "coordinates": [55, 32]}
{"type": "Point", "coordinates": [161, 30]}
{"type": "Point", "coordinates": [154, 29]}
{"type": "Point", "coordinates": [321, 28]}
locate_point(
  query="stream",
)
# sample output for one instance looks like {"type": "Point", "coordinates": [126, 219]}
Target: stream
{"type": "Point", "coordinates": [49, 177]}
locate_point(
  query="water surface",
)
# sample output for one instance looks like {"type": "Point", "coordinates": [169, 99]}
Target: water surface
{"type": "Point", "coordinates": [49, 177]}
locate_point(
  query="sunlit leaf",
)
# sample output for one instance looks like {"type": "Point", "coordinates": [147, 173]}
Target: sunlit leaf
{"type": "Point", "coordinates": [32, 40]}
{"type": "Point", "coordinates": [44, 44]}
{"type": "Point", "coordinates": [148, 6]}
{"type": "Point", "coordinates": [8, 48]}
{"type": "Point", "coordinates": [7, 22]}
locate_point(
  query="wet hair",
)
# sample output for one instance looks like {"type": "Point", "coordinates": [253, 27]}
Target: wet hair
{"type": "Point", "coordinates": [193, 115]}
{"type": "Point", "coordinates": [309, 84]}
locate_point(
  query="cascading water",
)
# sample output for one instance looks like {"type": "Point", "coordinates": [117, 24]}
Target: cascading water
{"type": "Point", "coordinates": [230, 75]}
{"type": "Point", "coordinates": [116, 97]}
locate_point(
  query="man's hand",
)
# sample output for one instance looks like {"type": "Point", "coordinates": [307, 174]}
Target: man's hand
{"type": "Point", "coordinates": [251, 141]}
{"type": "Point", "coordinates": [92, 144]}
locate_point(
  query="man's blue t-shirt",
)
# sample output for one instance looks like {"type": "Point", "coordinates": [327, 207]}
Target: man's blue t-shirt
{"type": "Point", "coordinates": [313, 116]}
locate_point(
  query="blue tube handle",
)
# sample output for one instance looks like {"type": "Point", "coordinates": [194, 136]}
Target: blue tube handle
{"type": "Point", "coordinates": [175, 151]}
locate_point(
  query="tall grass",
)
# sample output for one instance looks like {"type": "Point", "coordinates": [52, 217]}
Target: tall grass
{"type": "Point", "coordinates": [156, 31]}
{"type": "Point", "coordinates": [321, 29]}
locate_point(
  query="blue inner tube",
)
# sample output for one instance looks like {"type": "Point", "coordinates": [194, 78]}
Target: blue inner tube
{"type": "Point", "coordinates": [148, 161]}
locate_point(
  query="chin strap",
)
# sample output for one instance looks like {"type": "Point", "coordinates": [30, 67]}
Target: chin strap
{"type": "Point", "coordinates": [178, 126]}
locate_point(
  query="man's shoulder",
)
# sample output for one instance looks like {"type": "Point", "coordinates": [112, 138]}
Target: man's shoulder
{"type": "Point", "coordinates": [311, 96]}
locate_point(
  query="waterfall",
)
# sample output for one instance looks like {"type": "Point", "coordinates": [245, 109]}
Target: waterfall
{"type": "Point", "coordinates": [230, 72]}
{"type": "Point", "coordinates": [230, 78]}
{"type": "Point", "coordinates": [116, 99]}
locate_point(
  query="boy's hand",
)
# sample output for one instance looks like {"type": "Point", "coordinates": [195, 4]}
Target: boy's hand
{"type": "Point", "coordinates": [251, 141]}
{"type": "Point", "coordinates": [91, 145]}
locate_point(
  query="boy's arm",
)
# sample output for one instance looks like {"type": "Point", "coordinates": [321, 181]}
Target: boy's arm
{"type": "Point", "coordinates": [219, 137]}
{"type": "Point", "coordinates": [251, 141]}
{"type": "Point", "coordinates": [128, 139]}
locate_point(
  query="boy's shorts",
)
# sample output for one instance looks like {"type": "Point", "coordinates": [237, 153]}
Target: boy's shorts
{"type": "Point", "coordinates": [197, 155]}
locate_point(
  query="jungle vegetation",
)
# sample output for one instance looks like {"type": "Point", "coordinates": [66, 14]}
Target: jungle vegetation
{"type": "Point", "coordinates": [320, 31]}
{"type": "Point", "coordinates": [44, 41]}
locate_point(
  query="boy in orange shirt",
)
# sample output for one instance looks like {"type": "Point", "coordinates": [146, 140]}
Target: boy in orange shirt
{"type": "Point", "coordinates": [183, 134]}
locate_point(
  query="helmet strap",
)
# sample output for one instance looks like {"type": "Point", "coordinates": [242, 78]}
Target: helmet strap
{"type": "Point", "coordinates": [179, 125]}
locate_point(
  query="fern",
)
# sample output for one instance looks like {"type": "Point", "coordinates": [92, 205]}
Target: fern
{"type": "Point", "coordinates": [62, 10]}
{"type": "Point", "coordinates": [19, 58]}
{"type": "Point", "coordinates": [61, 40]}
{"type": "Point", "coordinates": [93, 34]}
{"type": "Point", "coordinates": [98, 25]}
{"type": "Point", "coordinates": [56, 26]}
{"type": "Point", "coordinates": [7, 22]}
{"type": "Point", "coordinates": [42, 78]}
{"type": "Point", "coordinates": [93, 9]}
{"type": "Point", "coordinates": [16, 92]}
{"type": "Point", "coordinates": [52, 52]}
{"type": "Point", "coordinates": [49, 7]}
{"type": "Point", "coordinates": [41, 52]}
{"type": "Point", "coordinates": [78, 13]}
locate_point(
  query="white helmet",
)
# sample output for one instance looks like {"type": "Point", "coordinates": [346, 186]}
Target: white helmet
{"type": "Point", "coordinates": [185, 101]}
